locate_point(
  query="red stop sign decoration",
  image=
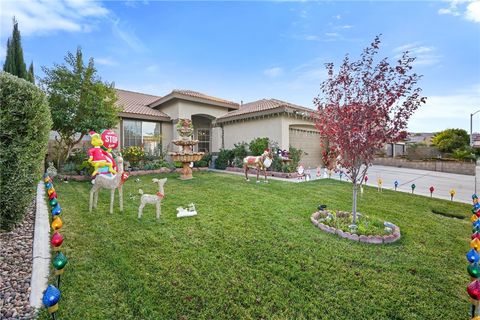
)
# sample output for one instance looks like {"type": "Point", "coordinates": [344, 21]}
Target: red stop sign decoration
{"type": "Point", "coordinates": [110, 139]}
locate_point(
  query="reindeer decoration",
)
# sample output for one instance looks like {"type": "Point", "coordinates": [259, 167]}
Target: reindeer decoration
{"type": "Point", "coordinates": [109, 182]}
{"type": "Point", "coordinates": [153, 198]}
{"type": "Point", "coordinates": [260, 163]}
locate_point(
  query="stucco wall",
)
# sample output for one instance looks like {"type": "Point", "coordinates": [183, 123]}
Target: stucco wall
{"type": "Point", "coordinates": [251, 129]}
{"type": "Point", "coordinates": [167, 130]}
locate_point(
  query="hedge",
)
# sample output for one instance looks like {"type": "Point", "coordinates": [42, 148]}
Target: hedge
{"type": "Point", "coordinates": [25, 126]}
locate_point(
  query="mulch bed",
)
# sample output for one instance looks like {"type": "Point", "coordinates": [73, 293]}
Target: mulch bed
{"type": "Point", "coordinates": [16, 269]}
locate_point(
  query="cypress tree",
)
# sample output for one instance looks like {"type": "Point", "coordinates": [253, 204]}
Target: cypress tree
{"type": "Point", "coordinates": [31, 75]}
{"type": "Point", "coordinates": [14, 62]}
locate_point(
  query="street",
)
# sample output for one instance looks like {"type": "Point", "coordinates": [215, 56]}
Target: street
{"type": "Point", "coordinates": [464, 185]}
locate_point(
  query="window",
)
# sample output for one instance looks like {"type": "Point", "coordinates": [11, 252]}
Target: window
{"type": "Point", "coordinates": [203, 136]}
{"type": "Point", "coordinates": [144, 134]}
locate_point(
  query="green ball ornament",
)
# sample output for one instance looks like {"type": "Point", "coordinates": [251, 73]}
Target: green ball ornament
{"type": "Point", "coordinates": [60, 261]}
{"type": "Point", "coordinates": [53, 202]}
{"type": "Point", "coordinates": [474, 270]}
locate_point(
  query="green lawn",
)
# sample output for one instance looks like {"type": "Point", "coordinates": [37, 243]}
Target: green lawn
{"type": "Point", "coordinates": [252, 253]}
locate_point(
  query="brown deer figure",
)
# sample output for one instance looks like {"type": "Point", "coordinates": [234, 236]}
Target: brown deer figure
{"type": "Point", "coordinates": [108, 182]}
{"type": "Point", "coordinates": [261, 163]}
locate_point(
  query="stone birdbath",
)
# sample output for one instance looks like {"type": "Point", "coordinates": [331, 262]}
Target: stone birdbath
{"type": "Point", "coordinates": [186, 143]}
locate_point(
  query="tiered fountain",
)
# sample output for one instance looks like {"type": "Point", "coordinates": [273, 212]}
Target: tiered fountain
{"type": "Point", "coordinates": [186, 156]}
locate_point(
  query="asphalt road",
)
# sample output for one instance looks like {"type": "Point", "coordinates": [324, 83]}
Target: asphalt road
{"type": "Point", "coordinates": [442, 182]}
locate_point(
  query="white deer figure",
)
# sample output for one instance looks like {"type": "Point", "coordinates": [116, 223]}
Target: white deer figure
{"type": "Point", "coordinates": [108, 182]}
{"type": "Point", "coordinates": [153, 198]}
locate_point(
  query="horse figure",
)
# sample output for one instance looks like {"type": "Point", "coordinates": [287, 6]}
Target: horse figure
{"type": "Point", "coordinates": [260, 163]}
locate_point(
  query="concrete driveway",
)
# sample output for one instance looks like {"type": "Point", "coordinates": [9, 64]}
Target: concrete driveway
{"type": "Point", "coordinates": [464, 185]}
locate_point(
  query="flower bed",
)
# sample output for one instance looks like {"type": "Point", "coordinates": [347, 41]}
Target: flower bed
{"type": "Point", "coordinates": [130, 173]}
{"type": "Point", "coordinates": [336, 224]}
{"type": "Point", "coordinates": [287, 175]}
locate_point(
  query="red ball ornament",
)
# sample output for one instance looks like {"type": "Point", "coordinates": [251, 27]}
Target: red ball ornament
{"type": "Point", "coordinates": [52, 196]}
{"type": "Point", "coordinates": [476, 235]}
{"type": "Point", "coordinates": [473, 290]}
{"type": "Point", "coordinates": [57, 239]}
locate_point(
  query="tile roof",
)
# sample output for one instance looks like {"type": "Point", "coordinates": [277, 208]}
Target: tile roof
{"type": "Point", "coordinates": [189, 94]}
{"type": "Point", "coordinates": [263, 105]}
{"type": "Point", "coordinates": [137, 103]}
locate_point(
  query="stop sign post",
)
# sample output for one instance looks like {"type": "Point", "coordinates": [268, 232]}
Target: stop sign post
{"type": "Point", "coordinates": [110, 139]}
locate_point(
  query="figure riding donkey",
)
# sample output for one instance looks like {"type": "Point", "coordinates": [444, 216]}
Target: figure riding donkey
{"type": "Point", "coordinates": [260, 163]}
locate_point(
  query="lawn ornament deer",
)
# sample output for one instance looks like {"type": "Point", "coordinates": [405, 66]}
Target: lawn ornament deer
{"type": "Point", "coordinates": [153, 198]}
{"type": "Point", "coordinates": [260, 163]}
{"type": "Point", "coordinates": [103, 181]}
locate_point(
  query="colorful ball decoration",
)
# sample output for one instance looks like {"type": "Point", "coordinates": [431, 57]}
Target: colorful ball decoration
{"type": "Point", "coordinates": [50, 191]}
{"type": "Point", "coordinates": [53, 202]}
{"type": "Point", "coordinates": [48, 185]}
{"type": "Point", "coordinates": [452, 194]}
{"type": "Point", "coordinates": [473, 290]}
{"type": "Point", "coordinates": [56, 223]}
{"type": "Point", "coordinates": [396, 185]}
{"type": "Point", "coordinates": [59, 262]}
{"type": "Point", "coordinates": [413, 186]}
{"type": "Point", "coordinates": [472, 256]}
{"type": "Point", "coordinates": [431, 189]}
{"type": "Point", "coordinates": [57, 240]}
{"type": "Point", "coordinates": [56, 210]}
{"type": "Point", "coordinates": [50, 299]}
{"type": "Point", "coordinates": [52, 196]}
{"type": "Point", "coordinates": [475, 244]}
{"type": "Point", "coordinates": [474, 270]}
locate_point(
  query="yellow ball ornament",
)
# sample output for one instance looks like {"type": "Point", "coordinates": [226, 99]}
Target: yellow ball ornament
{"type": "Point", "coordinates": [57, 223]}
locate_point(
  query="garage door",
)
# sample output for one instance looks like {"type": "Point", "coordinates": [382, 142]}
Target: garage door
{"type": "Point", "coordinates": [309, 142]}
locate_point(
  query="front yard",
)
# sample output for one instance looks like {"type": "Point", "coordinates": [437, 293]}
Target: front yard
{"type": "Point", "coordinates": [252, 253]}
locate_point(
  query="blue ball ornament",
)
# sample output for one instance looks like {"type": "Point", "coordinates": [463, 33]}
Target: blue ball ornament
{"type": "Point", "coordinates": [51, 296]}
{"type": "Point", "coordinates": [472, 256]}
{"type": "Point", "coordinates": [474, 196]}
{"type": "Point", "coordinates": [476, 224]}
{"type": "Point", "coordinates": [48, 185]}
{"type": "Point", "coordinates": [56, 210]}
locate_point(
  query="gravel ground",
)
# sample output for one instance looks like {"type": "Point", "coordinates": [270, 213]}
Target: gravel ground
{"type": "Point", "coordinates": [16, 269]}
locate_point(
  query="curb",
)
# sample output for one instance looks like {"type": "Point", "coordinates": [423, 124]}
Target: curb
{"type": "Point", "coordinates": [41, 250]}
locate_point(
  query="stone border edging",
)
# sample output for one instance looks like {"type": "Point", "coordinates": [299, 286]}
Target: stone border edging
{"type": "Point", "coordinates": [41, 249]}
{"type": "Point", "coordinates": [286, 175]}
{"type": "Point", "coordinates": [395, 236]}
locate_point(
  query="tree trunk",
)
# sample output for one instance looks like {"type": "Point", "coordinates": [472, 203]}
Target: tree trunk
{"type": "Point", "coordinates": [354, 203]}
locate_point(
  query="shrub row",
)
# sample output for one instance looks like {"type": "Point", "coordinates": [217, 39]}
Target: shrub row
{"type": "Point", "coordinates": [25, 125]}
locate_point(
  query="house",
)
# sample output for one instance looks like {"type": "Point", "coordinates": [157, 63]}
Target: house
{"type": "Point", "coordinates": [149, 121]}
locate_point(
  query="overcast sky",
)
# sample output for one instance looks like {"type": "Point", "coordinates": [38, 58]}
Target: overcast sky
{"type": "Point", "coordinates": [252, 50]}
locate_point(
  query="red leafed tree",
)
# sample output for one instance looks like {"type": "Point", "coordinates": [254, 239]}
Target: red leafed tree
{"type": "Point", "coordinates": [364, 105]}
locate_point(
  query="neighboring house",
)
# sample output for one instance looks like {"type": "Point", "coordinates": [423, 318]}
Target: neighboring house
{"type": "Point", "coordinates": [420, 137]}
{"type": "Point", "coordinates": [149, 121]}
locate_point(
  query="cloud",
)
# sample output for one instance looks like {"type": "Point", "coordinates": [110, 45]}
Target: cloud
{"type": "Point", "coordinates": [127, 35]}
{"type": "Point", "coordinates": [425, 55]}
{"type": "Point", "coordinates": [273, 72]}
{"type": "Point", "coordinates": [470, 11]}
{"type": "Point", "coordinates": [106, 62]}
{"type": "Point", "coordinates": [447, 111]}
{"type": "Point", "coordinates": [41, 17]}
{"type": "Point", "coordinates": [473, 12]}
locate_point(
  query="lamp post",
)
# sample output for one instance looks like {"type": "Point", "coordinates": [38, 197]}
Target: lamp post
{"type": "Point", "coordinates": [471, 145]}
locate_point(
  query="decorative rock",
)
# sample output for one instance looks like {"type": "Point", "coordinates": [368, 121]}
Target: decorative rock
{"type": "Point", "coordinates": [352, 236]}
{"type": "Point", "coordinates": [389, 239]}
{"type": "Point", "coordinates": [363, 238]}
{"type": "Point", "coordinates": [375, 239]}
